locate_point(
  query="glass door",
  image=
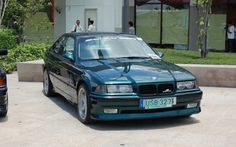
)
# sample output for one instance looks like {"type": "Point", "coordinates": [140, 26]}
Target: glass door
{"type": "Point", "coordinates": [148, 22]}
{"type": "Point", "coordinates": [175, 25]}
{"type": "Point", "coordinates": [217, 24]}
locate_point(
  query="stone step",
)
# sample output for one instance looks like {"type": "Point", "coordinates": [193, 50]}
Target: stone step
{"type": "Point", "coordinates": [30, 71]}
{"type": "Point", "coordinates": [213, 75]}
{"type": "Point", "coordinates": [207, 75]}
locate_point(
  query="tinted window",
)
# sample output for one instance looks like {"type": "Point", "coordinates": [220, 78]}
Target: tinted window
{"type": "Point", "coordinates": [68, 49]}
{"type": "Point", "coordinates": [59, 45]}
{"type": "Point", "coordinates": [69, 45]}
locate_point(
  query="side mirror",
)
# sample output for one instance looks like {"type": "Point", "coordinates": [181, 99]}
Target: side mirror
{"type": "Point", "coordinates": [69, 55]}
{"type": "Point", "coordinates": [160, 54]}
{"type": "Point", "coordinates": [3, 52]}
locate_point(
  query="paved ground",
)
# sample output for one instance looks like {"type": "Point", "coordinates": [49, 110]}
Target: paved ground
{"type": "Point", "coordinates": [35, 120]}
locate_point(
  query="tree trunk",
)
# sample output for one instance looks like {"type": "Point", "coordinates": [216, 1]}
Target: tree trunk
{"type": "Point", "coordinates": [204, 13]}
{"type": "Point", "coordinates": [3, 5]}
{"type": "Point", "coordinates": [207, 9]}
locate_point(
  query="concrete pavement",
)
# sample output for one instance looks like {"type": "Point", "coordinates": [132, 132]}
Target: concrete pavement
{"type": "Point", "coordinates": [37, 121]}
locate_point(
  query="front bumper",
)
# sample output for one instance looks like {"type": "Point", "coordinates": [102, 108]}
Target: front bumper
{"type": "Point", "coordinates": [128, 108]}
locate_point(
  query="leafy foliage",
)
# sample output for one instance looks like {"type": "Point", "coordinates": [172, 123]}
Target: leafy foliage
{"type": "Point", "coordinates": [7, 39]}
{"type": "Point", "coordinates": [23, 52]}
{"type": "Point", "coordinates": [18, 10]}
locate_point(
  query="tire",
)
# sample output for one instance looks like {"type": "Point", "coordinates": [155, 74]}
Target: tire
{"type": "Point", "coordinates": [83, 105]}
{"type": "Point", "coordinates": [4, 113]}
{"type": "Point", "coordinates": [47, 84]}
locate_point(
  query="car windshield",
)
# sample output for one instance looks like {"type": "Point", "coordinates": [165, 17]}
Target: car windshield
{"type": "Point", "coordinates": [113, 47]}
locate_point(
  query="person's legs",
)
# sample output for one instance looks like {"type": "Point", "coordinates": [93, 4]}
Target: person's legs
{"type": "Point", "coordinates": [234, 48]}
{"type": "Point", "coordinates": [226, 45]}
{"type": "Point", "coordinates": [231, 45]}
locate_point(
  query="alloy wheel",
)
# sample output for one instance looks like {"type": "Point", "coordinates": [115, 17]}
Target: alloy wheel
{"type": "Point", "coordinates": [82, 103]}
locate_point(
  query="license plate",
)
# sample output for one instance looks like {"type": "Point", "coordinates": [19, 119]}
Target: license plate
{"type": "Point", "coordinates": [158, 103]}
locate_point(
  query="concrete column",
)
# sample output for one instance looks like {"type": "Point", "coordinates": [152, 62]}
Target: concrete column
{"type": "Point", "coordinates": [60, 18]}
{"type": "Point", "coordinates": [125, 17]}
{"type": "Point", "coordinates": [193, 28]}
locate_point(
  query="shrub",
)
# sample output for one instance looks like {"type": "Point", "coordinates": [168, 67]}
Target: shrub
{"type": "Point", "coordinates": [7, 39]}
{"type": "Point", "coordinates": [23, 52]}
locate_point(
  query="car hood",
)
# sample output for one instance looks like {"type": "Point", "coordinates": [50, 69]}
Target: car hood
{"type": "Point", "coordinates": [135, 71]}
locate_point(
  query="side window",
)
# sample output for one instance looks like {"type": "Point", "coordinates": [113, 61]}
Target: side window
{"type": "Point", "coordinates": [58, 46]}
{"type": "Point", "coordinates": [69, 48]}
{"type": "Point", "coordinates": [69, 45]}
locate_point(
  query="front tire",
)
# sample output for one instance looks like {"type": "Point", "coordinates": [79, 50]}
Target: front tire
{"type": "Point", "coordinates": [83, 105]}
{"type": "Point", "coordinates": [3, 114]}
{"type": "Point", "coordinates": [47, 84]}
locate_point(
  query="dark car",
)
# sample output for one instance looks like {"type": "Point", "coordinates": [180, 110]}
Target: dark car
{"type": "Point", "coordinates": [113, 76]}
{"type": "Point", "coordinates": [3, 89]}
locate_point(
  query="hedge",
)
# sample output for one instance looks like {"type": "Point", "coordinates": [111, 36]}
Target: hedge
{"type": "Point", "coordinates": [23, 52]}
{"type": "Point", "coordinates": [7, 39]}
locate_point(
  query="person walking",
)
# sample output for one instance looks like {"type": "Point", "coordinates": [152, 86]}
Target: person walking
{"type": "Point", "coordinates": [131, 28]}
{"type": "Point", "coordinates": [91, 27]}
{"type": "Point", "coordinates": [77, 27]}
{"type": "Point", "coordinates": [230, 37]}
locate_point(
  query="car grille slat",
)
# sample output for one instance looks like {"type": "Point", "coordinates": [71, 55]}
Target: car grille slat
{"type": "Point", "coordinates": [147, 89]}
{"type": "Point", "coordinates": [156, 89]}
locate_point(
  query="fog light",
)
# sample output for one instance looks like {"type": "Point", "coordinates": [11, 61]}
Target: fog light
{"type": "Point", "coordinates": [192, 105]}
{"type": "Point", "coordinates": [111, 111]}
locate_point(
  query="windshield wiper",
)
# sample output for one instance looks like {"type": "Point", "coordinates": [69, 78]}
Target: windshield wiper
{"type": "Point", "coordinates": [135, 57]}
{"type": "Point", "coordinates": [130, 57]}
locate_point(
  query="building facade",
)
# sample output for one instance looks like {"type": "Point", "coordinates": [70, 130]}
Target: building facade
{"type": "Point", "coordinates": [161, 23]}
{"type": "Point", "coordinates": [107, 15]}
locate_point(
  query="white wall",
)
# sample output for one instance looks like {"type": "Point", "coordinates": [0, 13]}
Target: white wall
{"type": "Point", "coordinates": [74, 11]}
{"type": "Point", "coordinates": [109, 15]}
{"type": "Point", "coordinates": [118, 15]}
{"type": "Point", "coordinates": [60, 19]}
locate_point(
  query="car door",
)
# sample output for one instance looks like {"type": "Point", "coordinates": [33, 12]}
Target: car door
{"type": "Point", "coordinates": [53, 59]}
{"type": "Point", "coordinates": [69, 72]}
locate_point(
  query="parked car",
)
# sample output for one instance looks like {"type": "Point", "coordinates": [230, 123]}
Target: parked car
{"type": "Point", "coordinates": [3, 89]}
{"type": "Point", "coordinates": [111, 76]}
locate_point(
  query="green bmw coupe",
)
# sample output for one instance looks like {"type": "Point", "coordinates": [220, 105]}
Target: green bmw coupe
{"type": "Point", "coordinates": [111, 76]}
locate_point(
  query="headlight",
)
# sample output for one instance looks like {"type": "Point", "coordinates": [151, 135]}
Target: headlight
{"type": "Point", "coordinates": [114, 89]}
{"type": "Point", "coordinates": [119, 89]}
{"type": "Point", "coordinates": [186, 85]}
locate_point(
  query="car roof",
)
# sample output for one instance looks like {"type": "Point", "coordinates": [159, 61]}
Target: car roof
{"type": "Point", "coordinates": [90, 34]}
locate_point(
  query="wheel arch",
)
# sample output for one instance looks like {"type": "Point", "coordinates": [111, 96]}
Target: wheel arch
{"type": "Point", "coordinates": [80, 82]}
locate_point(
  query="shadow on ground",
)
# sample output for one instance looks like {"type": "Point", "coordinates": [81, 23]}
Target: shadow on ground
{"type": "Point", "coordinates": [3, 119]}
{"type": "Point", "coordinates": [161, 123]}
{"type": "Point", "coordinates": [64, 104]}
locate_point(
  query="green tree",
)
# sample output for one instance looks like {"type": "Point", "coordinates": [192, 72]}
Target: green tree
{"type": "Point", "coordinates": [18, 10]}
{"type": "Point", "coordinates": [204, 11]}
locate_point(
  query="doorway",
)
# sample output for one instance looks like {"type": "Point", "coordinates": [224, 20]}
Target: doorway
{"type": "Point", "coordinates": [90, 14]}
